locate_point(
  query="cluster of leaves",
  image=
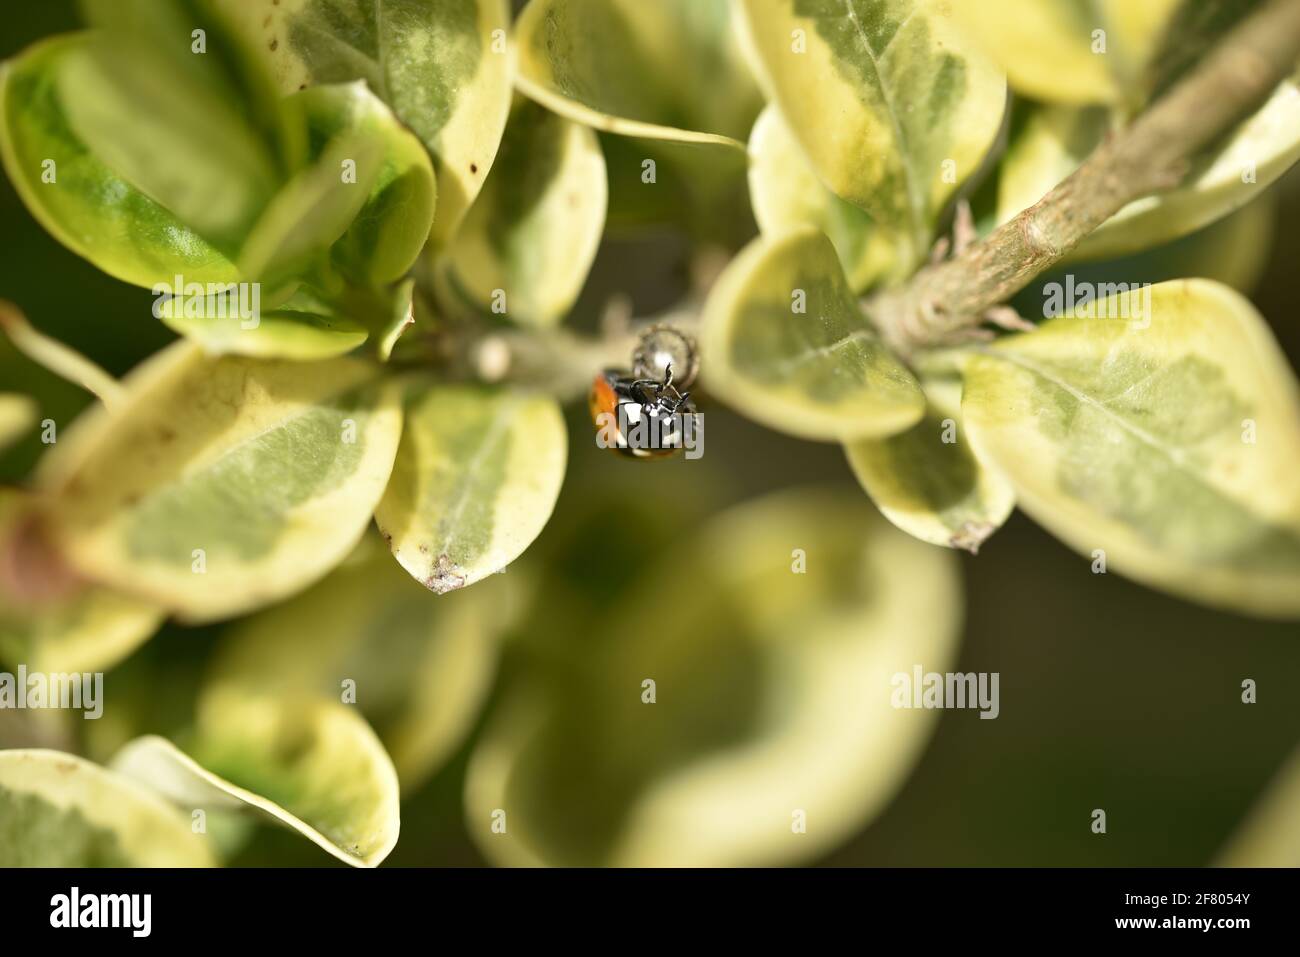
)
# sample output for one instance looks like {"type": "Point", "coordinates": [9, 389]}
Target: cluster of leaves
{"type": "Point", "coordinates": [400, 172]}
{"type": "Point", "coordinates": [1163, 440]}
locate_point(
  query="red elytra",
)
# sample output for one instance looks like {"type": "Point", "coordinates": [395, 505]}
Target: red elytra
{"type": "Point", "coordinates": [617, 398]}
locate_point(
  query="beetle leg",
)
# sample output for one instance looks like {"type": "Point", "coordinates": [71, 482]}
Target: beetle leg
{"type": "Point", "coordinates": [638, 386]}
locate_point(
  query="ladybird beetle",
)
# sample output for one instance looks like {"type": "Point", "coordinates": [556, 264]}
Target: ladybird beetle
{"type": "Point", "coordinates": [643, 413]}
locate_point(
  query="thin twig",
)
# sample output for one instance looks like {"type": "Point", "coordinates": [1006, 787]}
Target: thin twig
{"type": "Point", "coordinates": [62, 360]}
{"type": "Point", "coordinates": [1152, 155]}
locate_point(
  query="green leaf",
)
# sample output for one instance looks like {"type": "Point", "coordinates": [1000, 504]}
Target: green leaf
{"type": "Point", "coordinates": [639, 69]}
{"type": "Point", "coordinates": [217, 171]}
{"type": "Point", "coordinates": [475, 481]}
{"type": "Point", "coordinates": [17, 414]}
{"type": "Point", "coordinates": [306, 326]}
{"type": "Point", "coordinates": [228, 77]}
{"type": "Point", "coordinates": [442, 65]}
{"type": "Point", "coordinates": [396, 319]}
{"type": "Point", "coordinates": [785, 343]}
{"type": "Point", "coordinates": [1056, 140]}
{"type": "Point", "coordinates": [221, 484]}
{"type": "Point", "coordinates": [312, 211]}
{"type": "Point", "coordinates": [421, 668]}
{"type": "Point", "coordinates": [788, 195]}
{"type": "Point", "coordinates": [310, 763]}
{"type": "Point", "coordinates": [302, 329]}
{"type": "Point", "coordinates": [370, 220]}
{"type": "Point", "coordinates": [87, 207]}
{"type": "Point", "coordinates": [370, 179]}
{"type": "Point", "coordinates": [384, 239]}
{"type": "Point", "coordinates": [890, 103]}
{"type": "Point", "coordinates": [1170, 440]}
{"type": "Point", "coordinates": [535, 229]}
{"type": "Point", "coordinates": [927, 480]}
{"type": "Point", "coordinates": [772, 694]}
{"type": "Point", "coordinates": [57, 810]}
{"type": "Point", "coordinates": [1051, 51]}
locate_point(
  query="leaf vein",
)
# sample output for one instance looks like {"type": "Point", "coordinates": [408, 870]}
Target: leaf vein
{"type": "Point", "coordinates": [1177, 457]}
{"type": "Point", "coordinates": [886, 93]}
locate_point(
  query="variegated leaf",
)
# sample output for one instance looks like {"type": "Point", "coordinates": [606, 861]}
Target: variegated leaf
{"type": "Point", "coordinates": [221, 484]}
{"type": "Point", "coordinates": [58, 810]}
{"type": "Point", "coordinates": [310, 763]}
{"type": "Point", "coordinates": [1072, 51]}
{"type": "Point", "coordinates": [228, 134]}
{"type": "Point", "coordinates": [1057, 139]}
{"type": "Point", "coordinates": [76, 197]}
{"type": "Point", "coordinates": [300, 329]}
{"type": "Point", "coordinates": [785, 342]}
{"type": "Point", "coordinates": [1049, 145]}
{"type": "Point", "coordinates": [218, 67]}
{"type": "Point", "coordinates": [927, 480]}
{"type": "Point", "coordinates": [420, 669]}
{"type": "Point", "coordinates": [400, 192]}
{"type": "Point", "coordinates": [665, 70]}
{"type": "Point", "coordinates": [787, 195]}
{"type": "Point", "coordinates": [89, 631]}
{"type": "Point", "coordinates": [365, 203]}
{"type": "Point", "coordinates": [774, 697]}
{"type": "Point", "coordinates": [534, 231]}
{"type": "Point", "coordinates": [476, 478]}
{"type": "Point", "coordinates": [444, 66]}
{"type": "Point", "coordinates": [1162, 438]}
{"type": "Point", "coordinates": [49, 620]}
{"type": "Point", "coordinates": [313, 210]}
{"type": "Point", "coordinates": [891, 104]}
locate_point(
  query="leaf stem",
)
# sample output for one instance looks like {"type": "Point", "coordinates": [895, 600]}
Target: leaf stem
{"type": "Point", "coordinates": [62, 360]}
{"type": "Point", "coordinates": [1151, 155]}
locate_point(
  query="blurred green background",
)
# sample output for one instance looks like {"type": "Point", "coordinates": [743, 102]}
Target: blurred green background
{"type": "Point", "coordinates": [1112, 696]}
